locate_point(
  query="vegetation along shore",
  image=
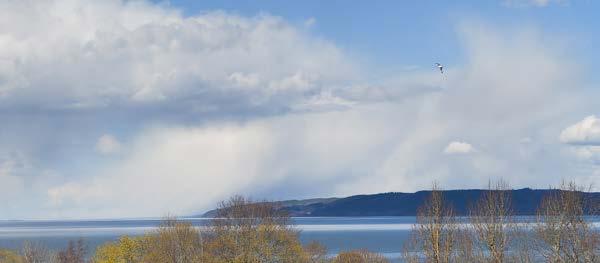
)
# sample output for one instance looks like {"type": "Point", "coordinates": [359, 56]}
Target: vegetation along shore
{"type": "Point", "coordinates": [247, 231]}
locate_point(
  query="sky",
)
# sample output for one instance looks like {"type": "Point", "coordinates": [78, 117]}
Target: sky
{"type": "Point", "coordinates": [113, 109]}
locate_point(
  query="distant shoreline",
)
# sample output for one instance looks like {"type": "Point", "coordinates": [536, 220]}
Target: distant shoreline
{"type": "Point", "coordinates": [525, 202]}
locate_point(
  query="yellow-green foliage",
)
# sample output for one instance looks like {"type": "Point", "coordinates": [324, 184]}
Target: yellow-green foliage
{"type": "Point", "coordinates": [252, 232]}
{"type": "Point", "coordinates": [243, 232]}
{"type": "Point", "coordinates": [126, 250]}
{"type": "Point", "coordinates": [259, 244]}
{"type": "Point", "coordinates": [174, 242]}
{"type": "Point", "coordinates": [359, 256]}
{"type": "Point", "coordinates": [348, 257]}
{"type": "Point", "coordinates": [9, 256]}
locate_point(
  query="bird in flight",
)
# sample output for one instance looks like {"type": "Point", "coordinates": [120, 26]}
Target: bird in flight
{"type": "Point", "coordinates": [440, 67]}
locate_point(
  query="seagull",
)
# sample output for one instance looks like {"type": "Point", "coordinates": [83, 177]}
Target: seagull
{"type": "Point", "coordinates": [440, 67]}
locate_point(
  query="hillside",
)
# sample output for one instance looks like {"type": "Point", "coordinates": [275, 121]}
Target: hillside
{"type": "Point", "coordinates": [525, 202]}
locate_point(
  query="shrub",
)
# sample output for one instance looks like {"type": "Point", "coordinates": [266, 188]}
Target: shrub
{"type": "Point", "coordinates": [244, 231]}
{"type": "Point", "coordinates": [359, 256]}
{"type": "Point", "coordinates": [126, 250]}
{"type": "Point", "coordinates": [9, 256]}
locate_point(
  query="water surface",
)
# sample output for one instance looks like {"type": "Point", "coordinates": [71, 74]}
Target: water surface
{"type": "Point", "coordinates": [385, 235]}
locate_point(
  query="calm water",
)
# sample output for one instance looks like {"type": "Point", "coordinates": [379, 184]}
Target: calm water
{"type": "Point", "coordinates": [385, 235]}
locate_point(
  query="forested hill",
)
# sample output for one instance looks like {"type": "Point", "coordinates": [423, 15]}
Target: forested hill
{"type": "Point", "coordinates": [525, 202]}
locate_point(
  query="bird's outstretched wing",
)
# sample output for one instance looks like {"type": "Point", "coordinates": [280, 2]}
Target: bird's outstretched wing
{"type": "Point", "coordinates": [440, 67]}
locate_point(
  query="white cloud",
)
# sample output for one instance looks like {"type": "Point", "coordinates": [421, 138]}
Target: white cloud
{"type": "Point", "coordinates": [583, 139]}
{"type": "Point", "coordinates": [202, 164]}
{"type": "Point", "coordinates": [186, 170]}
{"type": "Point", "coordinates": [310, 22]}
{"type": "Point", "coordinates": [108, 144]}
{"type": "Point", "coordinates": [367, 144]}
{"type": "Point", "coordinates": [325, 101]}
{"type": "Point", "coordinates": [11, 172]}
{"type": "Point", "coordinates": [585, 132]}
{"type": "Point", "coordinates": [244, 80]}
{"type": "Point", "coordinates": [526, 140]}
{"type": "Point", "coordinates": [217, 104]}
{"type": "Point", "coordinates": [541, 2]}
{"type": "Point", "coordinates": [587, 153]}
{"type": "Point", "coordinates": [536, 3]}
{"type": "Point", "coordinates": [98, 54]}
{"type": "Point", "coordinates": [458, 148]}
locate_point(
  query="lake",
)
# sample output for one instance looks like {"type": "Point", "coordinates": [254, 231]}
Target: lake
{"type": "Point", "coordinates": [385, 235]}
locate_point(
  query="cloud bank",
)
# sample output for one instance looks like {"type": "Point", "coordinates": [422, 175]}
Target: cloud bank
{"type": "Point", "coordinates": [127, 108]}
{"type": "Point", "coordinates": [77, 55]}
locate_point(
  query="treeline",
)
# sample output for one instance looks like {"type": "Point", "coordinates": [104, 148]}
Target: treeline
{"type": "Point", "coordinates": [245, 231]}
{"type": "Point", "coordinates": [491, 233]}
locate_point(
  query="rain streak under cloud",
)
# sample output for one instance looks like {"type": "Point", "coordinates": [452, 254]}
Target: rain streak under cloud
{"type": "Point", "coordinates": [130, 108]}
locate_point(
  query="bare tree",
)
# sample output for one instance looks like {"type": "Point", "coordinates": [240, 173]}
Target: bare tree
{"type": "Point", "coordinates": [465, 247]}
{"type": "Point", "coordinates": [37, 253]}
{"type": "Point", "coordinates": [562, 231]}
{"type": "Point", "coordinates": [493, 223]}
{"type": "Point", "coordinates": [435, 231]}
{"type": "Point", "coordinates": [73, 253]}
{"type": "Point", "coordinates": [316, 252]}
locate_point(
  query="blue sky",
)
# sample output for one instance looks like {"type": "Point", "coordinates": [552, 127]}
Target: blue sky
{"type": "Point", "coordinates": [144, 108]}
{"type": "Point", "coordinates": [396, 33]}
